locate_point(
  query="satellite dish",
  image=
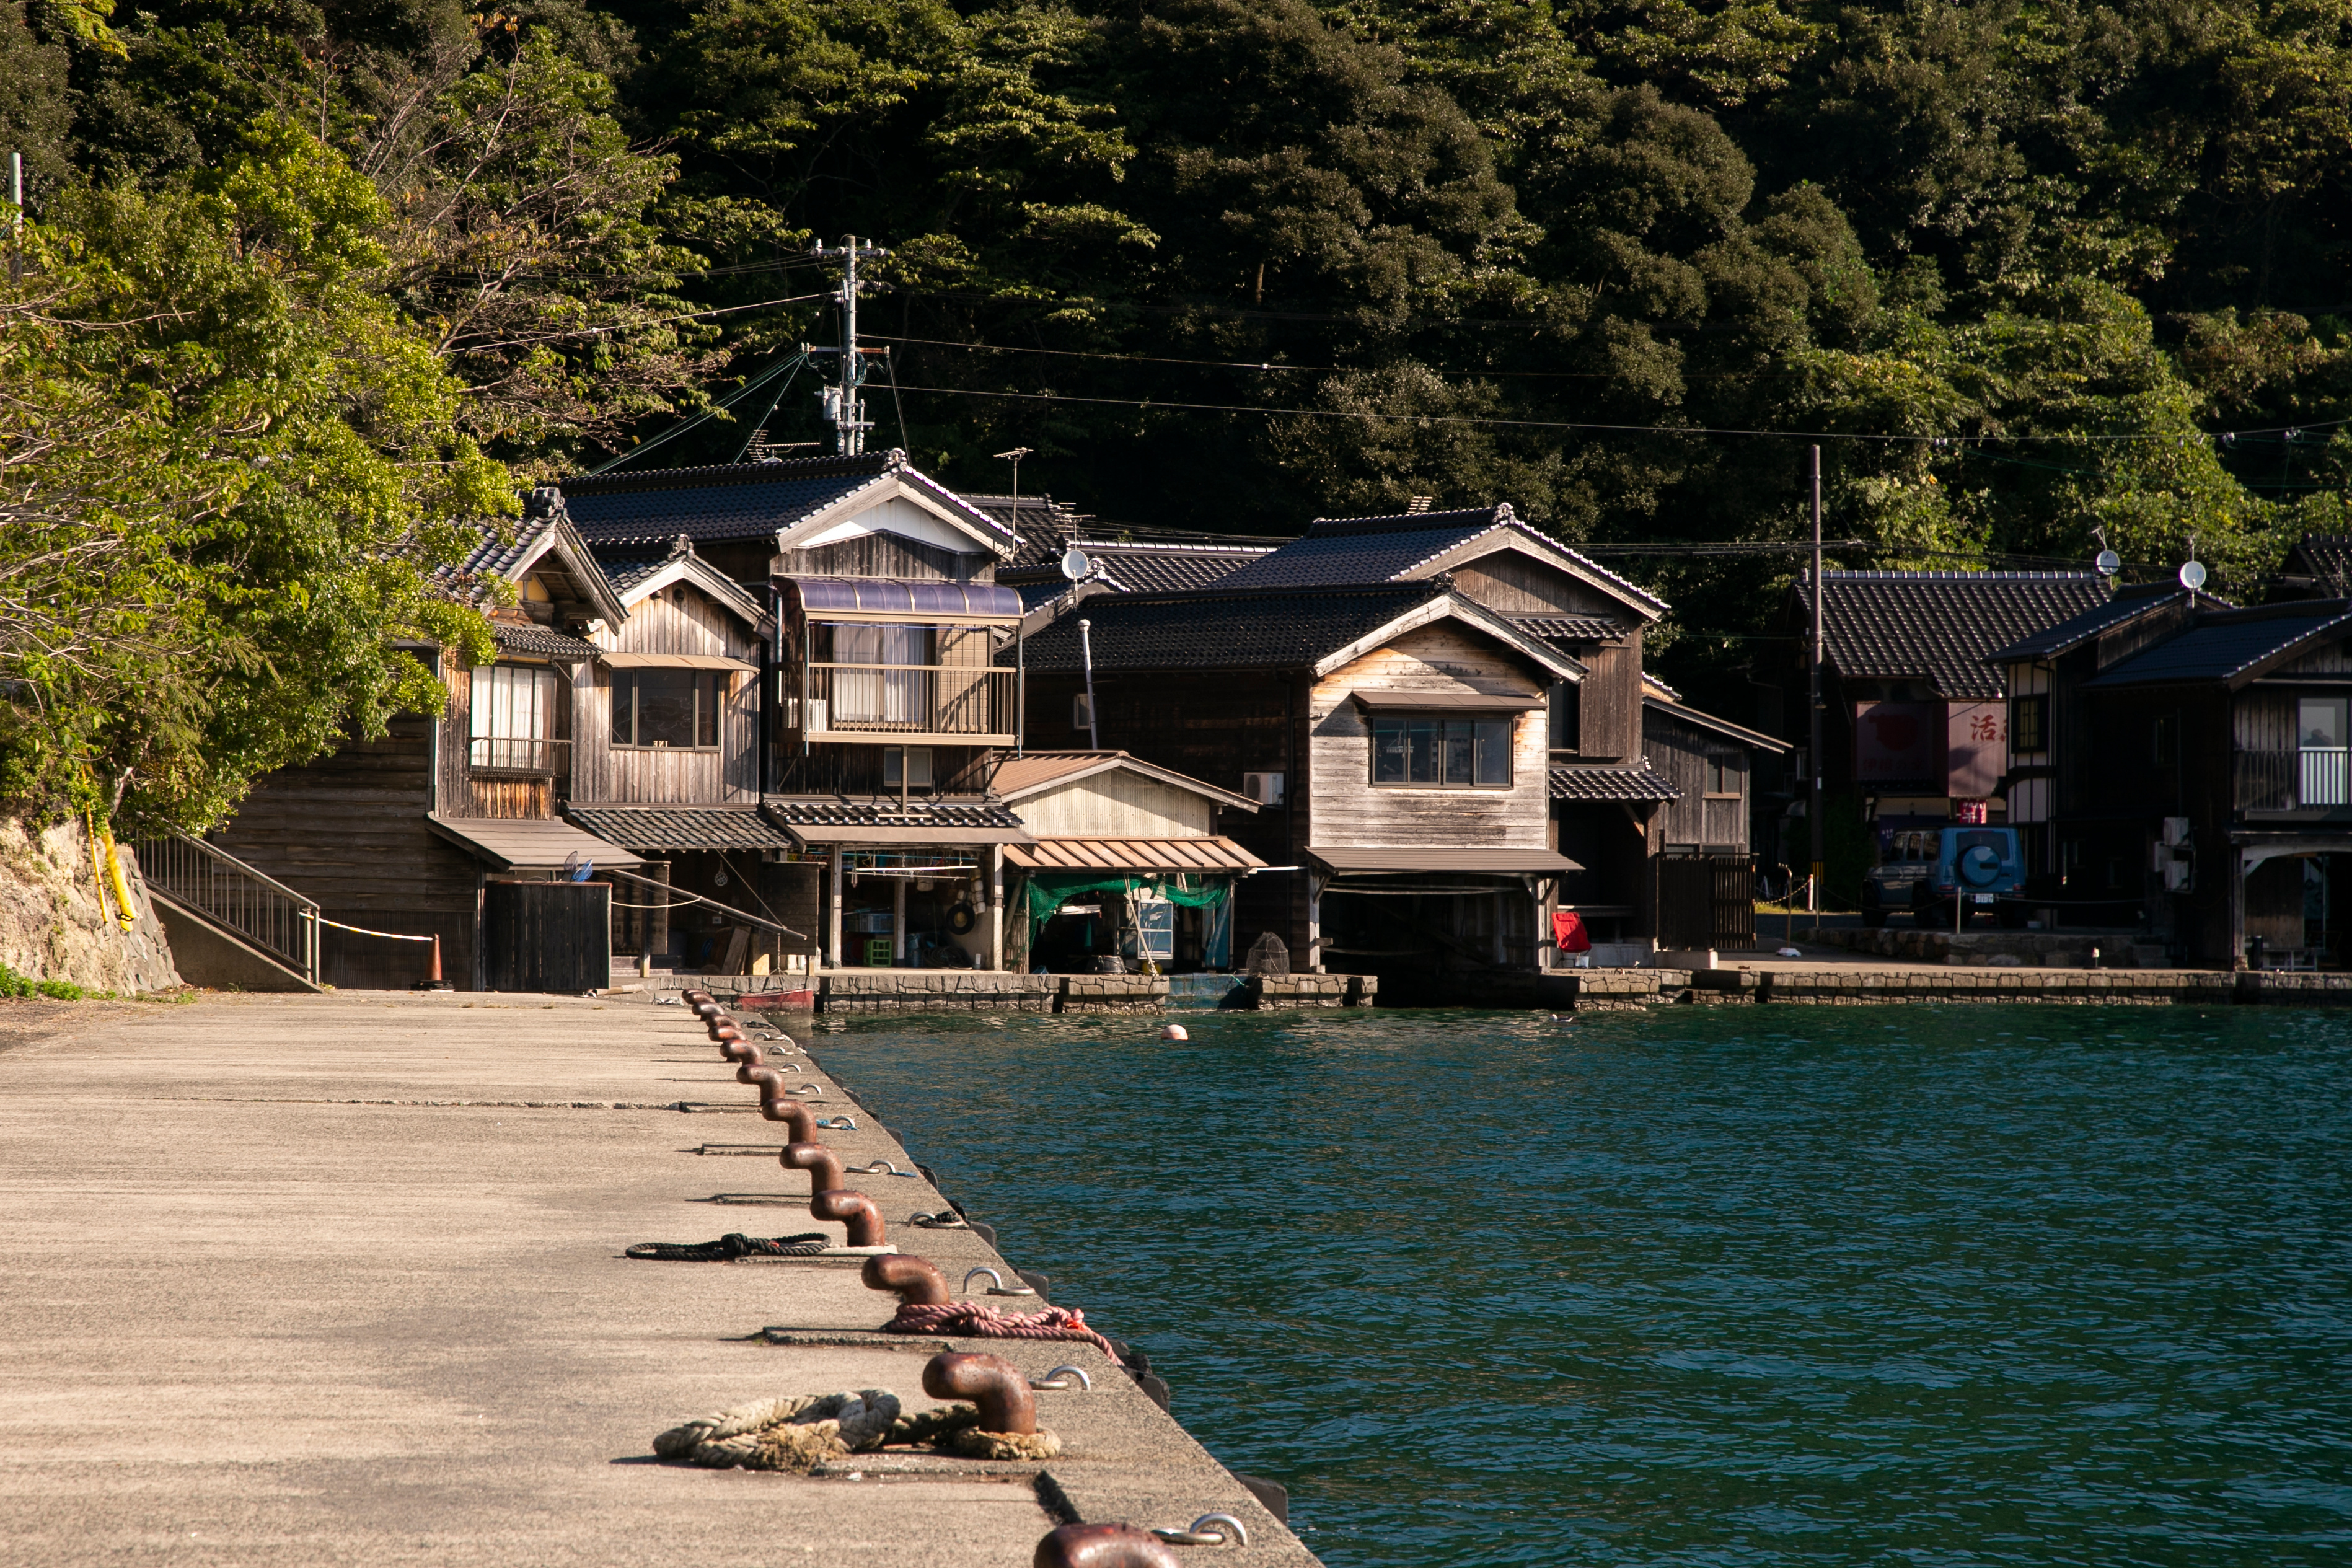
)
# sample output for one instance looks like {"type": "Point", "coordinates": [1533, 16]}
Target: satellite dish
{"type": "Point", "coordinates": [2108, 562]}
{"type": "Point", "coordinates": [1075, 564]}
{"type": "Point", "coordinates": [2192, 575]}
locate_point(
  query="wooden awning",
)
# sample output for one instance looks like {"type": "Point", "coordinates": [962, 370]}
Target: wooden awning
{"type": "Point", "coordinates": [673, 662]}
{"type": "Point", "coordinates": [1537, 861]}
{"type": "Point", "coordinates": [511, 843]}
{"type": "Point", "coordinates": [1445, 702]}
{"type": "Point", "coordinates": [1207, 856]}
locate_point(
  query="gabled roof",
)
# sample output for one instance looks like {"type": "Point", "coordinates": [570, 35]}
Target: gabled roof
{"type": "Point", "coordinates": [639, 580]}
{"type": "Point", "coordinates": [1941, 627]}
{"type": "Point", "coordinates": [2318, 567]}
{"type": "Point", "coordinates": [2234, 647]}
{"type": "Point", "coordinates": [1131, 568]}
{"type": "Point", "coordinates": [509, 554]}
{"type": "Point", "coordinates": [529, 639]}
{"type": "Point", "coordinates": [1415, 546]}
{"type": "Point", "coordinates": [1753, 739]}
{"type": "Point", "coordinates": [1268, 628]}
{"type": "Point", "coordinates": [2130, 605]}
{"type": "Point", "coordinates": [1569, 628]}
{"type": "Point", "coordinates": [1593, 781]}
{"type": "Point", "coordinates": [774, 500]}
{"type": "Point", "coordinates": [1018, 778]}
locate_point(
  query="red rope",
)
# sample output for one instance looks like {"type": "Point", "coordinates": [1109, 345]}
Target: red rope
{"type": "Point", "coordinates": [977, 1320]}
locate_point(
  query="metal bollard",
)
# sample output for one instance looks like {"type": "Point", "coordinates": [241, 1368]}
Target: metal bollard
{"type": "Point", "coordinates": [748, 1059]}
{"type": "Point", "coordinates": [854, 1209]}
{"type": "Point", "coordinates": [1103, 1546]}
{"type": "Point", "coordinates": [821, 1164]}
{"type": "Point", "coordinates": [776, 1106]}
{"type": "Point", "coordinates": [916, 1281]}
{"type": "Point", "coordinates": [991, 1381]}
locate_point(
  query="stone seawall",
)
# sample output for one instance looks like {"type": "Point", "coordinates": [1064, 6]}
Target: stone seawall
{"type": "Point", "coordinates": [1855, 986]}
{"type": "Point", "coordinates": [985, 991]}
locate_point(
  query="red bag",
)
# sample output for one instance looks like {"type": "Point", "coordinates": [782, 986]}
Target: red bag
{"type": "Point", "coordinates": [1568, 933]}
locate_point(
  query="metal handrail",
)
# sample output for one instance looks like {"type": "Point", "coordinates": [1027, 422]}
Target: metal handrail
{"type": "Point", "coordinates": [267, 913]}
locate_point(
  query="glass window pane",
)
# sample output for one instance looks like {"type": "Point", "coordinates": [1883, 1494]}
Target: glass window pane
{"type": "Point", "coordinates": [1494, 752]}
{"type": "Point", "coordinates": [2322, 722]}
{"type": "Point", "coordinates": [666, 706]}
{"type": "Point", "coordinates": [1461, 744]}
{"type": "Point", "coordinates": [1388, 750]}
{"type": "Point", "coordinates": [625, 686]}
{"type": "Point", "coordinates": [705, 723]}
{"type": "Point", "coordinates": [1420, 751]}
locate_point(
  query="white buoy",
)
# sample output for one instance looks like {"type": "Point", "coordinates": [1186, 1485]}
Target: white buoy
{"type": "Point", "coordinates": [1174, 1032]}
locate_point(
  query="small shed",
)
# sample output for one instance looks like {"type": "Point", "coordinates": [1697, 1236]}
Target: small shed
{"type": "Point", "coordinates": [1126, 864]}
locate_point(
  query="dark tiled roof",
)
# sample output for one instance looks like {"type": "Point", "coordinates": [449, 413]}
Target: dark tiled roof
{"type": "Point", "coordinates": [1571, 781]}
{"type": "Point", "coordinates": [833, 812]}
{"type": "Point", "coordinates": [1568, 628]}
{"type": "Point", "coordinates": [1940, 626]}
{"type": "Point", "coordinates": [2127, 605]}
{"type": "Point", "coordinates": [1168, 568]}
{"type": "Point", "coordinates": [2227, 643]}
{"type": "Point", "coordinates": [495, 555]}
{"type": "Point", "coordinates": [627, 572]}
{"type": "Point", "coordinates": [1222, 629]}
{"type": "Point", "coordinates": [1355, 550]}
{"type": "Point", "coordinates": [737, 500]}
{"type": "Point", "coordinates": [680, 827]}
{"type": "Point", "coordinates": [733, 501]}
{"type": "Point", "coordinates": [535, 641]}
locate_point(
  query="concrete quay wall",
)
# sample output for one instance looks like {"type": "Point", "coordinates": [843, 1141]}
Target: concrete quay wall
{"type": "Point", "coordinates": [865, 990]}
{"type": "Point", "coordinates": [1855, 986]}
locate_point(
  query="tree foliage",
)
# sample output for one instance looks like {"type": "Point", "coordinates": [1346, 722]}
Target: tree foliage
{"type": "Point", "coordinates": [2031, 275]}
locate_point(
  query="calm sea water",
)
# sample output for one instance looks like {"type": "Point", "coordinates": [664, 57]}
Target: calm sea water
{"type": "Point", "coordinates": [1915, 1284]}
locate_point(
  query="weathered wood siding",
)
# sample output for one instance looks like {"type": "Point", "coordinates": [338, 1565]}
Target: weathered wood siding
{"type": "Point", "coordinates": [1608, 701]}
{"type": "Point", "coordinates": [459, 791]}
{"type": "Point", "coordinates": [886, 555]}
{"type": "Point", "coordinates": [1348, 809]}
{"type": "Point", "coordinates": [1520, 584]}
{"type": "Point", "coordinates": [680, 620]}
{"type": "Point", "coordinates": [349, 830]}
{"type": "Point", "coordinates": [1118, 805]}
{"type": "Point", "coordinates": [1681, 754]}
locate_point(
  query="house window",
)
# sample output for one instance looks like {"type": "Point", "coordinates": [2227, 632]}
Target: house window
{"type": "Point", "coordinates": [2320, 735]}
{"type": "Point", "coordinates": [867, 685]}
{"type": "Point", "coordinates": [2168, 739]}
{"type": "Point", "coordinates": [2028, 725]}
{"type": "Point", "coordinates": [906, 767]}
{"type": "Point", "coordinates": [672, 709]}
{"type": "Point", "coordinates": [1567, 713]}
{"type": "Point", "coordinates": [513, 716]}
{"type": "Point", "coordinates": [1445, 753]}
{"type": "Point", "coordinates": [1724, 778]}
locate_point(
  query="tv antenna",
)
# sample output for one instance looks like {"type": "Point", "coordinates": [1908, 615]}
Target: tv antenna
{"type": "Point", "coordinates": [1013, 458]}
{"type": "Point", "coordinates": [844, 405]}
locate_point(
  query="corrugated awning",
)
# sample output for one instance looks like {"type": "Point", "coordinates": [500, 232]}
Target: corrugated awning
{"type": "Point", "coordinates": [511, 845]}
{"type": "Point", "coordinates": [1537, 861]}
{"type": "Point", "coordinates": [1445, 702]}
{"type": "Point", "coordinates": [673, 662]}
{"type": "Point", "coordinates": [811, 836]}
{"type": "Point", "coordinates": [1212, 856]}
{"type": "Point", "coordinates": [682, 828]}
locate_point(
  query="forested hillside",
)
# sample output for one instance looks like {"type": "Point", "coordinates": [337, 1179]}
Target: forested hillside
{"type": "Point", "coordinates": [2036, 270]}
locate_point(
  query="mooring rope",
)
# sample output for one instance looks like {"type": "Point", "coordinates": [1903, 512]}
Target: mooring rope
{"type": "Point", "coordinates": [978, 1319]}
{"type": "Point", "coordinates": [734, 1245]}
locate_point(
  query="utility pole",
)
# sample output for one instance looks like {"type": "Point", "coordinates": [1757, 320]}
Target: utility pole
{"type": "Point", "coordinates": [844, 405]}
{"type": "Point", "coordinates": [1813, 683]}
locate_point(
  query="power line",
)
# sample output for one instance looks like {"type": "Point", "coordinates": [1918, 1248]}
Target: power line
{"type": "Point", "coordinates": [1314, 369]}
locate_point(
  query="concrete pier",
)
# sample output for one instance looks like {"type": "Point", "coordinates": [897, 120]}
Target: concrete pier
{"type": "Point", "coordinates": [339, 1279]}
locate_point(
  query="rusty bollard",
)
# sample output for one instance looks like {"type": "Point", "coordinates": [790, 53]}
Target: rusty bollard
{"type": "Point", "coordinates": [750, 1061]}
{"type": "Point", "coordinates": [821, 1164]}
{"type": "Point", "coordinates": [1103, 1546]}
{"type": "Point", "coordinates": [709, 1012]}
{"type": "Point", "coordinates": [995, 1384]}
{"type": "Point", "coordinates": [777, 1106]}
{"type": "Point", "coordinates": [854, 1209]}
{"type": "Point", "coordinates": [916, 1281]}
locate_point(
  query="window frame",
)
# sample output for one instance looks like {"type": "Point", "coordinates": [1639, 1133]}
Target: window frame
{"type": "Point", "coordinates": [485, 707]}
{"type": "Point", "coordinates": [1509, 721]}
{"type": "Point", "coordinates": [2028, 740]}
{"type": "Point", "coordinates": [1718, 767]}
{"type": "Point", "coordinates": [717, 683]}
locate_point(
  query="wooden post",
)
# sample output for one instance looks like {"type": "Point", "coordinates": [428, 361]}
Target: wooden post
{"type": "Point", "coordinates": [898, 921]}
{"type": "Point", "coordinates": [833, 910]}
{"type": "Point", "coordinates": [996, 906]}
{"type": "Point", "coordinates": [1314, 923]}
{"type": "Point", "coordinates": [657, 917]}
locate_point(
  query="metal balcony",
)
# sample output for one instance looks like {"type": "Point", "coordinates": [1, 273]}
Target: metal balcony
{"type": "Point", "coordinates": [918, 704]}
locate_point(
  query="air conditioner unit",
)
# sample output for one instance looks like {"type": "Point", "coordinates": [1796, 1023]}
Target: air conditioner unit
{"type": "Point", "coordinates": [2176, 831]}
{"type": "Point", "coordinates": [1263, 788]}
{"type": "Point", "coordinates": [820, 711]}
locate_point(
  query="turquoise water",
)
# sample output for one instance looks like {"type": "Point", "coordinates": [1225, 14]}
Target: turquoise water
{"type": "Point", "coordinates": [1724, 1286]}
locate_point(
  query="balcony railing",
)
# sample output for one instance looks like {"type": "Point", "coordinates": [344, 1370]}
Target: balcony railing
{"type": "Point", "coordinates": [905, 701]}
{"type": "Point", "coordinates": [2311, 779]}
{"type": "Point", "coordinates": [516, 754]}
